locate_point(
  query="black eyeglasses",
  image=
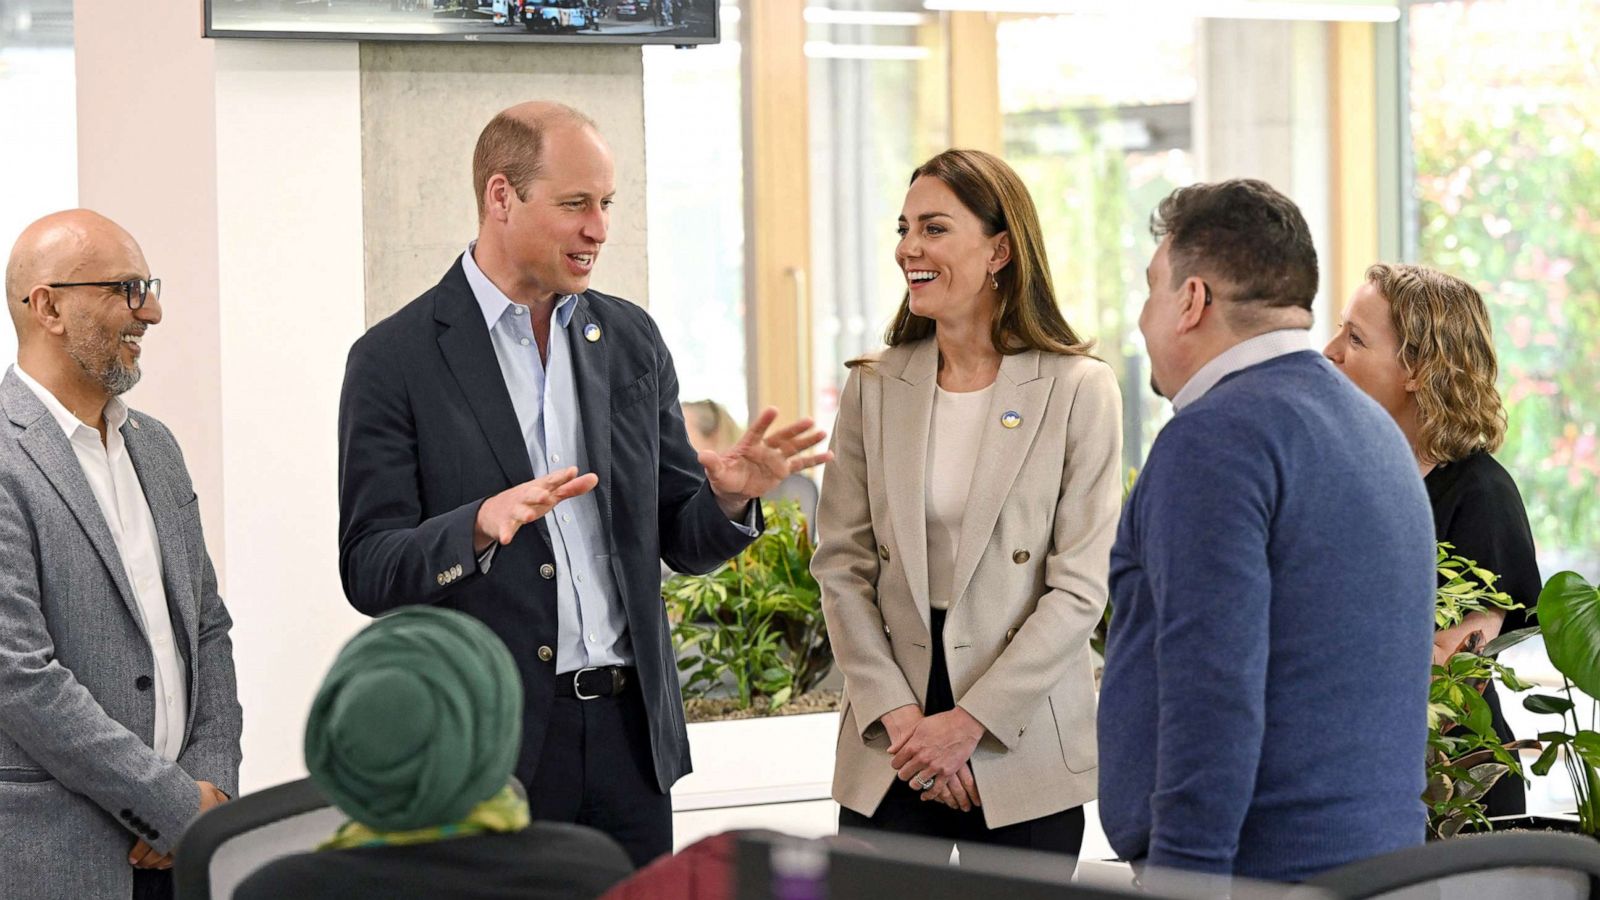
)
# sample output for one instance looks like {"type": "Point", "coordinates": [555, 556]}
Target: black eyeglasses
{"type": "Point", "coordinates": [135, 290]}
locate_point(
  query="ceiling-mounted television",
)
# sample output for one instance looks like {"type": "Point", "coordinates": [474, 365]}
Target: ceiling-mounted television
{"type": "Point", "coordinates": [680, 22]}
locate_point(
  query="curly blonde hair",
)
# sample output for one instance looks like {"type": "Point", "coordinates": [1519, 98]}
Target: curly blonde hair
{"type": "Point", "coordinates": [1447, 348]}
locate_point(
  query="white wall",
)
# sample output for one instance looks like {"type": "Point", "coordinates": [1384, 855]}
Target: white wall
{"type": "Point", "coordinates": [39, 172]}
{"type": "Point", "coordinates": [290, 264]}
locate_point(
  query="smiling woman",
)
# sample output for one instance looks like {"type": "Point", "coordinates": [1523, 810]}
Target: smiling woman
{"type": "Point", "coordinates": [949, 488]}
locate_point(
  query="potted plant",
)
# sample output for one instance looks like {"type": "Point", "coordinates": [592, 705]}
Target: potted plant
{"type": "Point", "coordinates": [1569, 619]}
{"type": "Point", "coordinates": [753, 647]}
{"type": "Point", "coordinates": [750, 634]}
{"type": "Point", "coordinates": [1465, 756]}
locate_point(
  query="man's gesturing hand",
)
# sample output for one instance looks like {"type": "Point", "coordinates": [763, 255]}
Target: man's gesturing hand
{"type": "Point", "coordinates": [501, 515]}
{"type": "Point", "coordinates": [760, 460]}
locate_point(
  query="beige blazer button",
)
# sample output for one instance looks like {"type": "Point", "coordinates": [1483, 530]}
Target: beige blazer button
{"type": "Point", "coordinates": [1010, 634]}
{"type": "Point", "coordinates": [1021, 556]}
{"type": "Point", "coordinates": [547, 571]}
{"type": "Point", "coordinates": [883, 553]}
{"type": "Point", "coordinates": [546, 654]}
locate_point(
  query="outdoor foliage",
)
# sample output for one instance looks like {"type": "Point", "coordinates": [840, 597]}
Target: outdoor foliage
{"type": "Point", "coordinates": [1507, 156]}
{"type": "Point", "coordinates": [753, 627]}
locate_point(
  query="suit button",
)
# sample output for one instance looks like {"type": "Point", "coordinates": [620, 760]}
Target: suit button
{"type": "Point", "coordinates": [886, 629]}
{"type": "Point", "coordinates": [127, 815]}
{"type": "Point", "coordinates": [547, 571]}
{"type": "Point", "coordinates": [546, 654]}
{"type": "Point", "coordinates": [439, 578]}
{"type": "Point", "coordinates": [143, 682]}
{"type": "Point", "coordinates": [1010, 634]}
{"type": "Point", "coordinates": [154, 834]}
{"type": "Point", "coordinates": [1020, 557]}
{"type": "Point", "coordinates": [883, 553]}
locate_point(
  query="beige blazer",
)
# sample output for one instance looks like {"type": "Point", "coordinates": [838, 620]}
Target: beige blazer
{"type": "Point", "coordinates": [1029, 582]}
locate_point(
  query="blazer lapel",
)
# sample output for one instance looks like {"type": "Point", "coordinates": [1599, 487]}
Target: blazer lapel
{"type": "Point", "coordinates": [1001, 453]}
{"type": "Point", "coordinates": [908, 409]}
{"type": "Point", "coordinates": [44, 443]}
{"type": "Point", "coordinates": [169, 531]}
{"type": "Point", "coordinates": [591, 372]}
{"type": "Point", "coordinates": [470, 355]}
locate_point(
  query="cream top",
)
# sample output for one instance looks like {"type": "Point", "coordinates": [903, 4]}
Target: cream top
{"type": "Point", "coordinates": [953, 437]}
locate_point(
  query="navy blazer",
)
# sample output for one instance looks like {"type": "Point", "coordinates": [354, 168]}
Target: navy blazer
{"type": "Point", "coordinates": [427, 432]}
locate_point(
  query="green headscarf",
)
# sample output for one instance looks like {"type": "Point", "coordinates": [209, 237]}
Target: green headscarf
{"type": "Point", "coordinates": [418, 721]}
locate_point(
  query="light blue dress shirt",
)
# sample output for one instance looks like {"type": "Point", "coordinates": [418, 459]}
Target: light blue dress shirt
{"type": "Point", "coordinates": [593, 623]}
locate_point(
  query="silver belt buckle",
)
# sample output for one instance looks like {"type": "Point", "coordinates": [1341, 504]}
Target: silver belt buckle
{"type": "Point", "coordinates": [577, 681]}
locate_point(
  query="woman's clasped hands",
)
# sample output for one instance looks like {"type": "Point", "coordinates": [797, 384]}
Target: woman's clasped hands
{"type": "Point", "coordinates": [932, 753]}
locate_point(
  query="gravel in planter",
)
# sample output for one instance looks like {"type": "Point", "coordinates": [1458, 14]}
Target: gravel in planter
{"type": "Point", "coordinates": [722, 709]}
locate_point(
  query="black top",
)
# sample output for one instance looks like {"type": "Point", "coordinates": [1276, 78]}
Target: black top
{"type": "Point", "coordinates": [1476, 507]}
{"type": "Point", "coordinates": [544, 860]}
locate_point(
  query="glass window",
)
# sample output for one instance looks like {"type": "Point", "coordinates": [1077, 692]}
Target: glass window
{"type": "Point", "coordinates": [693, 162]}
{"type": "Point", "coordinates": [1097, 120]}
{"type": "Point", "coordinates": [39, 99]}
{"type": "Point", "coordinates": [877, 77]}
{"type": "Point", "coordinates": [1504, 105]}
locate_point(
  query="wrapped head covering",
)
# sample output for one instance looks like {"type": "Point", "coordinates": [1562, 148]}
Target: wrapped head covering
{"type": "Point", "coordinates": [418, 721]}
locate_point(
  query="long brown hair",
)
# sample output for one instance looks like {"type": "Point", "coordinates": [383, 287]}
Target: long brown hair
{"type": "Point", "coordinates": [1447, 347]}
{"type": "Point", "coordinates": [1026, 316]}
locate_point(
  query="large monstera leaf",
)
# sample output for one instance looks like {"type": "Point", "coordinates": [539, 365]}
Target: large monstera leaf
{"type": "Point", "coordinates": [1569, 609]}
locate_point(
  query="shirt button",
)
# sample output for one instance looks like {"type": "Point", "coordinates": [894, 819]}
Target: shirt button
{"type": "Point", "coordinates": [580, 579]}
{"type": "Point", "coordinates": [555, 457]}
{"type": "Point", "coordinates": [517, 309]}
{"type": "Point", "coordinates": [524, 342]}
{"type": "Point", "coordinates": [567, 519]}
{"type": "Point", "coordinates": [591, 638]}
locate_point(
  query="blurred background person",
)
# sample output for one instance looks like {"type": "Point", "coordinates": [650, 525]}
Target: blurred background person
{"type": "Point", "coordinates": [710, 426]}
{"type": "Point", "coordinates": [413, 734]}
{"type": "Point", "coordinates": [966, 526]}
{"type": "Point", "coordinates": [1420, 343]}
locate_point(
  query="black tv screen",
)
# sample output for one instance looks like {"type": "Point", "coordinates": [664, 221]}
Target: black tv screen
{"type": "Point", "coordinates": [681, 22]}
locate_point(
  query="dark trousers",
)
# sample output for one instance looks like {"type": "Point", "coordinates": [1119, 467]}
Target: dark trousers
{"type": "Point", "coordinates": [152, 884]}
{"type": "Point", "coordinates": [904, 811]}
{"type": "Point", "coordinates": [596, 770]}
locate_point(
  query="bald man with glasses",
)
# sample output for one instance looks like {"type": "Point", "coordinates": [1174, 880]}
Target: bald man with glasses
{"type": "Point", "coordinates": [119, 717]}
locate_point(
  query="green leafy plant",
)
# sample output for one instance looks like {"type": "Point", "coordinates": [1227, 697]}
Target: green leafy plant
{"type": "Point", "coordinates": [1465, 756]}
{"type": "Point", "coordinates": [1569, 617]}
{"type": "Point", "coordinates": [754, 626]}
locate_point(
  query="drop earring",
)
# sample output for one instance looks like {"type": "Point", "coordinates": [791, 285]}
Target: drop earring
{"type": "Point", "coordinates": [993, 281]}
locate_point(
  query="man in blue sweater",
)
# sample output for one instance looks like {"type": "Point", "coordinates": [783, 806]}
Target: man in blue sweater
{"type": "Point", "coordinates": [1264, 706]}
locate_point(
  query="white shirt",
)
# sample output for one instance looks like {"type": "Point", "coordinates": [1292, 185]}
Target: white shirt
{"type": "Point", "coordinates": [1243, 355]}
{"type": "Point", "coordinates": [117, 491]}
{"type": "Point", "coordinates": [953, 438]}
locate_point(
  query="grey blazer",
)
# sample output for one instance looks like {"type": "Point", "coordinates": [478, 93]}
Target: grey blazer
{"type": "Point", "coordinates": [79, 782]}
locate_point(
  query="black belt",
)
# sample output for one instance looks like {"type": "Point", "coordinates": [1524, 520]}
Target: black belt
{"type": "Point", "coordinates": [595, 681]}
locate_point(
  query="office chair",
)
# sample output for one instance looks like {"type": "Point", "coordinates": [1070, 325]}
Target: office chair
{"type": "Point", "coordinates": [1523, 864]}
{"type": "Point", "coordinates": [231, 841]}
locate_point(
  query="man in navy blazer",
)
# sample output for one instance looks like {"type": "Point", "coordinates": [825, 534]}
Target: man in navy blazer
{"type": "Point", "coordinates": [471, 412]}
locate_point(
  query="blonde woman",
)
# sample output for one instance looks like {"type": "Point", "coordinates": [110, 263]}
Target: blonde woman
{"type": "Point", "coordinates": [1419, 342]}
{"type": "Point", "coordinates": [965, 529]}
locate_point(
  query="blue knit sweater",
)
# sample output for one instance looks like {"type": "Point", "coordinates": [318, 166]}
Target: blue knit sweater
{"type": "Point", "coordinates": [1264, 706]}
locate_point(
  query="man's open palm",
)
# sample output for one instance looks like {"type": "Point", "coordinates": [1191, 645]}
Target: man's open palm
{"type": "Point", "coordinates": [759, 461]}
